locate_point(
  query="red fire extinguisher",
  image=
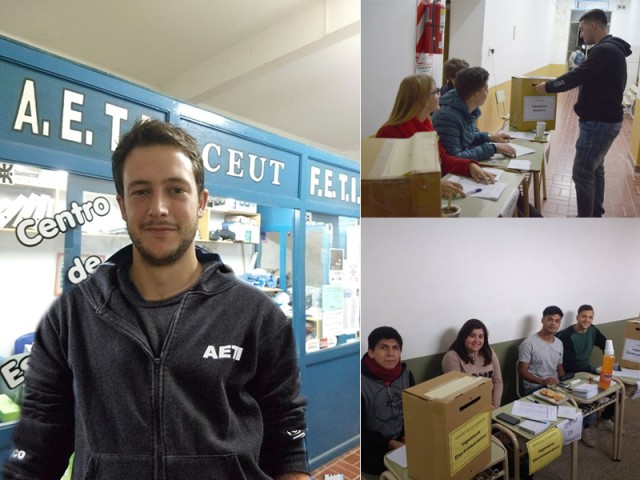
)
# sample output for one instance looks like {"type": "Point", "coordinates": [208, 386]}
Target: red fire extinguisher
{"type": "Point", "coordinates": [440, 14]}
{"type": "Point", "coordinates": [428, 29]}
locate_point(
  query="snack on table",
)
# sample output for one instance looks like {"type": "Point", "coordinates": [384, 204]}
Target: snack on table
{"type": "Point", "coordinates": [547, 392]}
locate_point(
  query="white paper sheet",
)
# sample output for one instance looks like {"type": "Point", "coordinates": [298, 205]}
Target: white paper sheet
{"type": "Point", "coordinates": [399, 456]}
{"type": "Point", "coordinates": [488, 192]}
{"type": "Point", "coordinates": [536, 411]}
{"type": "Point", "coordinates": [516, 164]}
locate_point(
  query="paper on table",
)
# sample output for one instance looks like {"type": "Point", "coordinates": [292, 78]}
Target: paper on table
{"type": "Point", "coordinates": [522, 135]}
{"type": "Point", "coordinates": [497, 173]}
{"type": "Point", "coordinates": [536, 411]}
{"type": "Point", "coordinates": [520, 150]}
{"type": "Point", "coordinates": [519, 164]}
{"type": "Point", "coordinates": [489, 192]}
{"type": "Point", "coordinates": [567, 412]}
{"type": "Point", "coordinates": [627, 372]}
{"type": "Point", "coordinates": [399, 456]}
{"type": "Point", "coordinates": [533, 427]}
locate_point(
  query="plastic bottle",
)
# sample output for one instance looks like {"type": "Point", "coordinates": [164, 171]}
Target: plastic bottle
{"type": "Point", "coordinates": [606, 372]}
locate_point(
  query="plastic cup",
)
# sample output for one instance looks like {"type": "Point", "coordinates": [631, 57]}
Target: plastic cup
{"type": "Point", "coordinates": [540, 128]}
{"type": "Point", "coordinates": [450, 211]}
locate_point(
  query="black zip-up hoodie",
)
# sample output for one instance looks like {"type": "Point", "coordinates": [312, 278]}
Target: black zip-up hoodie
{"type": "Point", "coordinates": [222, 400]}
{"type": "Point", "coordinates": [602, 77]}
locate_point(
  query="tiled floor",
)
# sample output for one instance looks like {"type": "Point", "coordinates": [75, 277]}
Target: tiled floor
{"type": "Point", "coordinates": [622, 184]}
{"type": "Point", "coordinates": [347, 464]}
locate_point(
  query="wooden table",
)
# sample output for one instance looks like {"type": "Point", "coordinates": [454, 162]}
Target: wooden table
{"type": "Point", "coordinates": [505, 206]}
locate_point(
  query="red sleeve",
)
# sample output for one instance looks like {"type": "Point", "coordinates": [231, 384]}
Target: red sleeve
{"type": "Point", "coordinates": [451, 164]}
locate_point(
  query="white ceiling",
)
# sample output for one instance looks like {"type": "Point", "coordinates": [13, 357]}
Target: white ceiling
{"type": "Point", "coordinates": [289, 66]}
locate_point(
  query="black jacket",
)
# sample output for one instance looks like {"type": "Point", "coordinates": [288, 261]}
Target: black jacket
{"type": "Point", "coordinates": [602, 78]}
{"type": "Point", "coordinates": [222, 399]}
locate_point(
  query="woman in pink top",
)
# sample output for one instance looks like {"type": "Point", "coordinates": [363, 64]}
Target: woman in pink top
{"type": "Point", "coordinates": [470, 353]}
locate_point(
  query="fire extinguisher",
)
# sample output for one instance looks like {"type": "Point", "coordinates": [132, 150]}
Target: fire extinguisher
{"type": "Point", "coordinates": [440, 14]}
{"type": "Point", "coordinates": [429, 46]}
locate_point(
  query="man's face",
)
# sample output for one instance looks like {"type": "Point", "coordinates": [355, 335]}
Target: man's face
{"type": "Point", "coordinates": [587, 30]}
{"type": "Point", "coordinates": [386, 353]}
{"type": "Point", "coordinates": [481, 95]}
{"type": "Point", "coordinates": [551, 324]}
{"type": "Point", "coordinates": [584, 320]}
{"type": "Point", "coordinates": [161, 204]}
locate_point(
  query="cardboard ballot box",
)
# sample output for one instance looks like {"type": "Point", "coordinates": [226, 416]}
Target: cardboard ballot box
{"type": "Point", "coordinates": [529, 106]}
{"type": "Point", "coordinates": [401, 177]}
{"type": "Point", "coordinates": [447, 424]}
{"type": "Point", "coordinates": [630, 357]}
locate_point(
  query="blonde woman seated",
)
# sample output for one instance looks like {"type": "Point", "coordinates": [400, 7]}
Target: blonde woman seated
{"type": "Point", "coordinates": [470, 353]}
{"type": "Point", "coordinates": [417, 98]}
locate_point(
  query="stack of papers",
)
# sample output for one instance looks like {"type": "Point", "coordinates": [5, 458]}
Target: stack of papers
{"type": "Point", "coordinates": [585, 390]}
{"type": "Point", "coordinates": [533, 427]}
{"type": "Point", "coordinates": [520, 150]}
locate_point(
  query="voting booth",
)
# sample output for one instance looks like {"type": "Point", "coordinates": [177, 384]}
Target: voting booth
{"type": "Point", "coordinates": [529, 107]}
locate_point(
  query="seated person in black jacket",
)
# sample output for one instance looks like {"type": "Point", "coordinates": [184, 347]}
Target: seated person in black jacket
{"type": "Point", "coordinates": [382, 381]}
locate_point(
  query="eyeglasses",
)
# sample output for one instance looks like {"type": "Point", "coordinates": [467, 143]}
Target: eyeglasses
{"type": "Point", "coordinates": [435, 92]}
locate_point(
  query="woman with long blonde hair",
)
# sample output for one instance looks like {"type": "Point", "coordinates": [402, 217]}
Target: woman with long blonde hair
{"type": "Point", "coordinates": [417, 98]}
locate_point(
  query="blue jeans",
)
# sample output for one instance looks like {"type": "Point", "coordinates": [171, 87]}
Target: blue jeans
{"type": "Point", "coordinates": [593, 143]}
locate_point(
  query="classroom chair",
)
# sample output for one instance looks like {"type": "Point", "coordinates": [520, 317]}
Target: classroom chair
{"type": "Point", "coordinates": [22, 342]}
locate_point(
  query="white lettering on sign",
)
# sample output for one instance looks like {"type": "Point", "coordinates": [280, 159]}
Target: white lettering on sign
{"type": "Point", "coordinates": [321, 184]}
{"type": "Point", "coordinates": [27, 110]}
{"type": "Point", "coordinates": [226, 351]}
{"type": "Point", "coordinates": [117, 114]}
{"type": "Point", "coordinates": [69, 99]}
{"type": "Point", "coordinates": [48, 228]}
{"type": "Point", "coordinates": [237, 166]}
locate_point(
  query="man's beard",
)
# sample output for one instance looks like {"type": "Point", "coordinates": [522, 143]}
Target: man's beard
{"type": "Point", "coordinates": [169, 259]}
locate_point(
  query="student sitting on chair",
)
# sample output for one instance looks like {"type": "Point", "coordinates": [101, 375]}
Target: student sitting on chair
{"type": "Point", "coordinates": [578, 341]}
{"type": "Point", "coordinates": [416, 100]}
{"type": "Point", "coordinates": [450, 69]}
{"type": "Point", "coordinates": [470, 353]}
{"type": "Point", "coordinates": [382, 380]}
{"type": "Point", "coordinates": [540, 355]}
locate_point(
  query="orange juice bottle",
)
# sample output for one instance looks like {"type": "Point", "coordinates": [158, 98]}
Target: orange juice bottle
{"type": "Point", "coordinates": [606, 372]}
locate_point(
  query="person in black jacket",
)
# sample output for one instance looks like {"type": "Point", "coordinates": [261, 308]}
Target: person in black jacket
{"type": "Point", "coordinates": [602, 78]}
{"type": "Point", "coordinates": [163, 364]}
{"type": "Point", "coordinates": [383, 378]}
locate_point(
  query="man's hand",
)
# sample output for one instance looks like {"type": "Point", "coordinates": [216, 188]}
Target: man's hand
{"type": "Point", "coordinates": [451, 189]}
{"type": "Point", "coordinates": [479, 174]}
{"type": "Point", "coordinates": [505, 149]}
{"type": "Point", "coordinates": [393, 444]}
{"type": "Point", "coordinates": [541, 87]}
{"type": "Point", "coordinates": [550, 381]}
{"type": "Point", "coordinates": [500, 137]}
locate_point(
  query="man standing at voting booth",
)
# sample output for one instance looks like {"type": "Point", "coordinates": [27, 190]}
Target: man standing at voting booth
{"type": "Point", "coordinates": [163, 364]}
{"type": "Point", "coordinates": [602, 78]}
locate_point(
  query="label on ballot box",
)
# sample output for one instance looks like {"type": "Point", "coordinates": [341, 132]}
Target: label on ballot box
{"type": "Point", "coordinates": [448, 427]}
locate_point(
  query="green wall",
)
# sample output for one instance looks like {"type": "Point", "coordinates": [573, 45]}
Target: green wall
{"type": "Point", "coordinates": [424, 368]}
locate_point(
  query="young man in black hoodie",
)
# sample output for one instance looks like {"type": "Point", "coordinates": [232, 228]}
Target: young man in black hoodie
{"type": "Point", "coordinates": [382, 381]}
{"type": "Point", "coordinates": [602, 78]}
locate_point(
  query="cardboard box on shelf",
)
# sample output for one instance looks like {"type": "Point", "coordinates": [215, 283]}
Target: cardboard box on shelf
{"type": "Point", "coordinates": [529, 107]}
{"type": "Point", "coordinates": [401, 177]}
{"type": "Point", "coordinates": [448, 427]}
{"type": "Point", "coordinates": [630, 357]}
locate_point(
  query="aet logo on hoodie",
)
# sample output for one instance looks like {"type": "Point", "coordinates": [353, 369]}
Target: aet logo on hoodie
{"type": "Point", "coordinates": [224, 351]}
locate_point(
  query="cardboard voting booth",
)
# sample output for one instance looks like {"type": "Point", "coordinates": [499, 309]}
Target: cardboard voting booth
{"type": "Point", "coordinates": [529, 107]}
{"type": "Point", "coordinates": [401, 177]}
{"type": "Point", "coordinates": [630, 357]}
{"type": "Point", "coordinates": [448, 427]}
